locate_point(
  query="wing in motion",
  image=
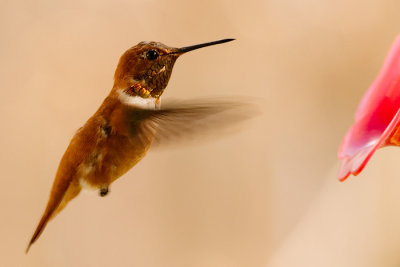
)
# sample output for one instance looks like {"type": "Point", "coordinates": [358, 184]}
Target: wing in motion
{"type": "Point", "coordinates": [181, 121]}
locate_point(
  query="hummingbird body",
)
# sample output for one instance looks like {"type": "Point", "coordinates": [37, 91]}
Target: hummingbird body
{"type": "Point", "coordinates": [128, 121]}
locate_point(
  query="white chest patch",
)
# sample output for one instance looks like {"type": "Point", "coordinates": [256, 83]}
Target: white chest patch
{"type": "Point", "coordinates": [139, 102]}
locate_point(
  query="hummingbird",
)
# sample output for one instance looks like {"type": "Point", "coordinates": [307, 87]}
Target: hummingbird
{"type": "Point", "coordinates": [129, 120]}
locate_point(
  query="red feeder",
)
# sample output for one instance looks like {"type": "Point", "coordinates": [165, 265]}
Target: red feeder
{"type": "Point", "coordinates": [377, 118]}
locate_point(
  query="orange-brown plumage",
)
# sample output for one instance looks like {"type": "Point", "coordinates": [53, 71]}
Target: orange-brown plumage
{"type": "Point", "coordinates": [121, 131]}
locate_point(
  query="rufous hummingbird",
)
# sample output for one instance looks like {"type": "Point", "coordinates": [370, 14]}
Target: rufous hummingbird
{"type": "Point", "coordinates": [130, 118]}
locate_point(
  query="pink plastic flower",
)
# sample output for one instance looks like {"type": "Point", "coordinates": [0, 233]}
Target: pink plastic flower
{"type": "Point", "coordinates": [377, 118]}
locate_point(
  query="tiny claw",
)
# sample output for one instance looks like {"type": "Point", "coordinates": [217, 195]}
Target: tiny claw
{"type": "Point", "coordinates": [103, 192]}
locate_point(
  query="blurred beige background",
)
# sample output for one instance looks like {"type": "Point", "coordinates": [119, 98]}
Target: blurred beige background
{"type": "Point", "coordinates": [267, 196]}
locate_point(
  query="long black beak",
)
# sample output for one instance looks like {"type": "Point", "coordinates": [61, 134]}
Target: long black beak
{"type": "Point", "coordinates": [193, 47]}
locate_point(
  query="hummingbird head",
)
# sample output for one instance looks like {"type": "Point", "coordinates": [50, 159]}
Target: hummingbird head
{"type": "Point", "coordinates": [144, 69]}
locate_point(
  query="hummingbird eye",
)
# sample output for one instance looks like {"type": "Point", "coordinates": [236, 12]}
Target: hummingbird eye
{"type": "Point", "coordinates": [152, 55]}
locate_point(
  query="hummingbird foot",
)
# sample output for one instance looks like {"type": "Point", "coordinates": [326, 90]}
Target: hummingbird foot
{"type": "Point", "coordinates": [103, 192]}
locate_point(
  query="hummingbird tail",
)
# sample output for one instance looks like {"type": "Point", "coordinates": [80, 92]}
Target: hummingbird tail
{"type": "Point", "coordinates": [59, 197]}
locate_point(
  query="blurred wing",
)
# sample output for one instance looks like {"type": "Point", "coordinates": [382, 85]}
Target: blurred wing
{"type": "Point", "coordinates": [187, 120]}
